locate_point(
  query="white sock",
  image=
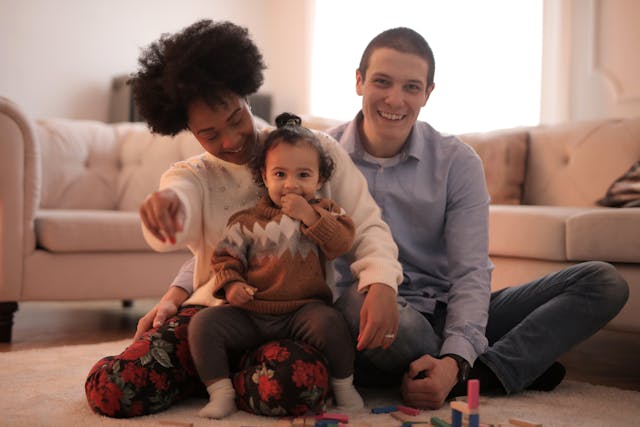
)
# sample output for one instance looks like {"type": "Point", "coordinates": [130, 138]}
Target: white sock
{"type": "Point", "coordinates": [222, 400]}
{"type": "Point", "coordinates": [347, 397]}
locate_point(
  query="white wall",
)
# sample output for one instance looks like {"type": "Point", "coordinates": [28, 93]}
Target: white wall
{"type": "Point", "coordinates": [57, 58]}
{"type": "Point", "coordinates": [591, 60]}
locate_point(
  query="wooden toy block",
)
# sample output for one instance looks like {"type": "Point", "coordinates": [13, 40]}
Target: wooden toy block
{"type": "Point", "coordinates": [473, 393]}
{"type": "Point", "coordinates": [456, 418]}
{"type": "Point", "coordinates": [342, 418]}
{"type": "Point", "coordinates": [482, 400]}
{"type": "Point", "coordinates": [175, 423]}
{"type": "Point", "coordinates": [406, 418]}
{"type": "Point", "coordinates": [437, 422]}
{"type": "Point", "coordinates": [384, 409]}
{"type": "Point", "coordinates": [284, 423]}
{"type": "Point", "coordinates": [408, 410]}
{"type": "Point", "coordinates": [298, 422]}
{"type": "Point", "coordinates": [523, 423]}
{"type": "Point", "coordinates": [463, 407]}
{"type": "Point", "coordinates": [474, 420]}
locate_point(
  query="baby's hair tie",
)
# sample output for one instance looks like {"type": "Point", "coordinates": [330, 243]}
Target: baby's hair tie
{"type": "Point", "coordinates": [288, 120]}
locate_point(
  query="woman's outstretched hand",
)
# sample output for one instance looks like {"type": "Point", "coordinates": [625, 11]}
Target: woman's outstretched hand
{"type": "Point", "coordinates": [162, 213]}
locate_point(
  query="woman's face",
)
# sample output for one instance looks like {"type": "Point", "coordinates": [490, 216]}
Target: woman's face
{"type": "Point", "coordinates": [225, 130]}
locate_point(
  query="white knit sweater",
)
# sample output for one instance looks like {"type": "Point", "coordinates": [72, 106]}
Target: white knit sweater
{"type": "Point", "coordinates": [211, 190]}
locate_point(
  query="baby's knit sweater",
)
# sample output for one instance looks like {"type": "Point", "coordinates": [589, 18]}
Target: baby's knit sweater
{"type": "Point", "coordinates": [280, 256]}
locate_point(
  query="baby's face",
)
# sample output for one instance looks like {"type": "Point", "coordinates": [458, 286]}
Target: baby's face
{"type": "Point", "coordinates": [291, 168]}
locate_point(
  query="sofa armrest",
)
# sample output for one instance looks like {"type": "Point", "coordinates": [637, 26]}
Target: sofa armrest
{"type": "Point", "coordinates": [19, 195]}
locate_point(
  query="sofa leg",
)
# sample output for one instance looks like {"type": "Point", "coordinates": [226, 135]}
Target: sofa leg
{"type": "Point", "coordinates": [127, 303]}
{"type": "Point", "coordinates": [7, 309]}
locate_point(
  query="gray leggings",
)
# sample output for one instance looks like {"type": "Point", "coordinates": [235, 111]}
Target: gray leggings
{"type": "Point", "coordinates": [216, 332]}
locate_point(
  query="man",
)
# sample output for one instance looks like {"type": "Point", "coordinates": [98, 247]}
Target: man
{"type": "Point", "coordinates": [432, 193]}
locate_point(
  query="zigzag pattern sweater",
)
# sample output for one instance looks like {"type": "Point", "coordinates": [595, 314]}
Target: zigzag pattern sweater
{"type": "Point", "coordinates": [281, 257]}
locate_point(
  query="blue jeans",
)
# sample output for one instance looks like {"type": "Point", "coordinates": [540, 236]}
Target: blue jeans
{"type": "Point", "coordinates": [529, 325]}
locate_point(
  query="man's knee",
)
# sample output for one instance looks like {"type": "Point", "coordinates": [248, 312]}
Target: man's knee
{"type": "Point", "coordinates": [613, 288]}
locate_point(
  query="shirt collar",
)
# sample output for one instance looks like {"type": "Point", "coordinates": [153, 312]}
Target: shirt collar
{"type": "Point", "coordinates": [352, 142]}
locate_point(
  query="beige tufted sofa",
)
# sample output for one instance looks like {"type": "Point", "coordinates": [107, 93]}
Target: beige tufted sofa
{"type": "Point", "coordinates": [545, 182]}
{"type": "Point", "coordinates": [70, 189]}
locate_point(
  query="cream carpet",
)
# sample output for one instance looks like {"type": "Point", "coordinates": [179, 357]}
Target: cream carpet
{"type": "Point", "coordinates": [46, 388]}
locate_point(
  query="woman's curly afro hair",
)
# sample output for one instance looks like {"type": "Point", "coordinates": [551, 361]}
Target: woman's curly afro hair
{"type": "Point", "coordinates": [207, 60]}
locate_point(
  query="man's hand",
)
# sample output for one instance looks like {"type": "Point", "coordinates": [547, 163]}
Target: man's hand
{"type": "Point", "coordinates": [430, 389]}
{"type": "Point", "coordinates": [166, 307]}
{"type": "Point", "coordinates": [298, 208]}
{"type": "Point", "coordinates": [239, 293]}
{"type": "Point", "coordinates": [378, 318]}
{"type": "Point", "coordinates": [162, 213]}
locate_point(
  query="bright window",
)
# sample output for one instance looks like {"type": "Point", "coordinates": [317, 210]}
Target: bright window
{"type": "Point", "coordinates": [488, 58]}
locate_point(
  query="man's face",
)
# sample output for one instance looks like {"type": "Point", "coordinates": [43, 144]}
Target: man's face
{"type": "Point", "coordinates": [393, 92]}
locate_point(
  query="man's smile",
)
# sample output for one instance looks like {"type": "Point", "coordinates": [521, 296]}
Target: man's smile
{"type": "Point", "coordinates": [391, 116]}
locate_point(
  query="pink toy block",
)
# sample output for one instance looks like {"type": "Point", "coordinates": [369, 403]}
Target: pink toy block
{"type": "Point", "coordinates": [473, 393]}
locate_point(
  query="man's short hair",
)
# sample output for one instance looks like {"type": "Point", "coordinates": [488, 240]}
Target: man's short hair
{"type": "Point", "coordinates": [403, 40]}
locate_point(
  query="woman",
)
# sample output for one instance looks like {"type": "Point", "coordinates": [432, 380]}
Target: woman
{"type": "Point", "coordinates": [198, 80]}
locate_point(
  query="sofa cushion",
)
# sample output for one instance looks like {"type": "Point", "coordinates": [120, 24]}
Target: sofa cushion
{"type": "Point", "coordinates": [62, 230]}
{"type": "Point", "coordinates": [144, 157]}
{"type": "Point", "coordinates": [529, 231]}
{"type": "Point", "coordinates": [80, 163]}
{"type": "Point", "coordinates": [605, 234]}
{"type": "Point", "coordinates": [573, 164]}
{"type": "Point", "coordinates": [504, 155]}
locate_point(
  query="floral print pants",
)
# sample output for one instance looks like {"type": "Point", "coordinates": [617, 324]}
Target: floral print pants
{"type": "Point", "coordinates": [150, 375]}
{"type": "Point", "coordinates": [156, 371]}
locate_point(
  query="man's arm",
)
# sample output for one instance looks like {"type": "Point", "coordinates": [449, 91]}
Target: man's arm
{"type": "Point", "coordinates": [467, 237]}
{"type": "Point", "coordinates": [429, 380]}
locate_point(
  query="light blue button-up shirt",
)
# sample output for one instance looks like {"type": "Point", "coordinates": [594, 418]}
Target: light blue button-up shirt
{"type": "Point", "coordinates": [434, 197]}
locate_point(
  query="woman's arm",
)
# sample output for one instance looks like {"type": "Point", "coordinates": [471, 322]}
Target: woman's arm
{"type": "Point", "coordinates": [172, 216]}
{"type": "Point", "coordinates": [164, 309]}
{"type": "Point", "coordinates": [374, 250]}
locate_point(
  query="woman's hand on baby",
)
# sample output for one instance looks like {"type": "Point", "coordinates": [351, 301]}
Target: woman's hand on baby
{"type": "Point", "coordinates": [162, 213]}
{"type": "Point", "coordinates": [298, 208]}
{"type": "Point", "coordinates": [239, 293]}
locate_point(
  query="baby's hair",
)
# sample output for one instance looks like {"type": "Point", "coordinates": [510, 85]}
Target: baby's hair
{"type": "Point", "coordinates": [290, 131]}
